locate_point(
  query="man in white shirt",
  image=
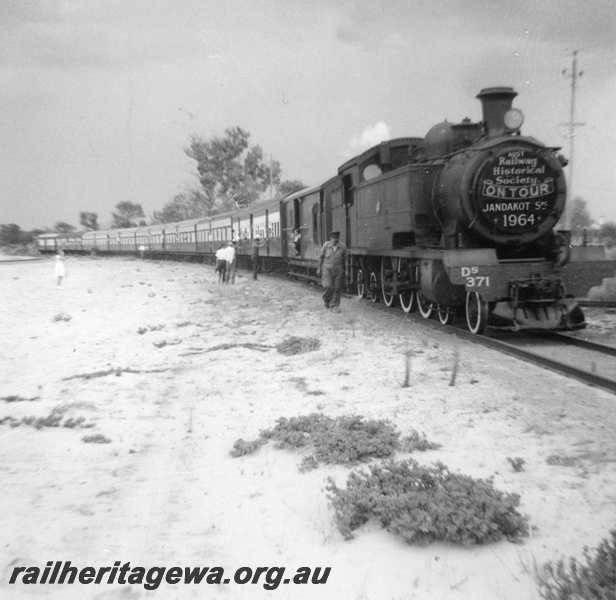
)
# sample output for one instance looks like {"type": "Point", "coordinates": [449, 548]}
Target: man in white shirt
{"type": "Point", "coordinates": [221, 263]}
{"type": "Point", "coordinates": [231, 263]}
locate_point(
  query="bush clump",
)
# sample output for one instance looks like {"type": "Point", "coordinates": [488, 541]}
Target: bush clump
{"type": "Point", "coordinates": [346, 440]}
{"type": "Point", "coordinates": [426, 504]}
{"type": "Point", "coordinates": [242, 447]}
{"type": "Point", "coordinates": [98, 438]}
{"type": "Point", "coordinates": [595, 580]}
{"type": "Point", "coordinates": [298, 345]}
{"type": "Point", "coordinates": [54, 419]}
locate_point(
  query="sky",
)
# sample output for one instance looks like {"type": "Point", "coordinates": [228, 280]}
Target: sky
{"type": "Point", "coordinates": [99, 98]}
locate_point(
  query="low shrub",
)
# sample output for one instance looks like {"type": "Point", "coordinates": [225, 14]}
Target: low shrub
{"type": "Point", "coordinates": [346, 440]}
{"type": "Point", "coordinates": [54, 419]}
{"type": "Point", "coordinates": [561, 461]}
{"type": "Point", "coordinates": [426, 504]}
{"type": "Point", "coordinates": [61, 317]}
{"type": "Point", "coordinates": [17, 398]}
{"type": "Point", "coordinates": [594, 580]}
{"type": "Point", "coordinates": [241, 447]}
{"type": "Point", "coordinates": [517, 463]}
{"type": "Point", "coordinates": [298, 345]}
{"type": "Point", "coordinates": [98, 438]}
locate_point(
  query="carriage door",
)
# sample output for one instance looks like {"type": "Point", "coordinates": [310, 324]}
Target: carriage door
{"type": "Point", "coordinates": [317, 235]}
{"type": "Point", "coordinates": [322, 222]}
{"type": "Point", "coordinates": [349, 199]}
{"type": "Point", "coordinates": [296, 215]}
{"type": "Point", "coordinates": [267, 231]}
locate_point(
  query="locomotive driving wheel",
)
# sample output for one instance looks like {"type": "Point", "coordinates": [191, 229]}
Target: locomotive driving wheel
{"type": "Point", "coordinates": [374, 287]}
{"type": "Point", "coordinates": [361, 283]}
{"type": "Point", "coordinates": [387, 276]}
{"type": "Point", "coordinates": [426, 308]}
{"type": "Point", "coordinates": [407, 273]}
{"type": "Point", "coordinates": [476, 313]}
{"type": "Point", "coordinates": [446, 314]}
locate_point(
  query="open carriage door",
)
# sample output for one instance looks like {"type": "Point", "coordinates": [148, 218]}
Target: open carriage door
{"type": "Point", "coordinates": [348, 198]}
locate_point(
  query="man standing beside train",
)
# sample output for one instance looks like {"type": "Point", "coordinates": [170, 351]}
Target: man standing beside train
{"type": "Point", "coordinates": [257, 243]}
{"type": "Point", "coordinates": [332, 262]}
{"type": "Point", "coordinates": [231, 257]}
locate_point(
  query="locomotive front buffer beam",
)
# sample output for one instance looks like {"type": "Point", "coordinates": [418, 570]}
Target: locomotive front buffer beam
{"type": "Point", "coordinates": [521, 294]}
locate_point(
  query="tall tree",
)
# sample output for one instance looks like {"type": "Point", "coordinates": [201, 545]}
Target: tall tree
{"type": "Point", "coordinates": [191, 204]}
{"type": "Point", "coordinates": [128, 214]}
{"type": "Point", "coordinates": [10, 234]}
{"type": "Point", "coordinates": [89, 221]}
{"type": "Point", "coordinates": [63, 227]}
{"type": "Point", "coordinates": [580, 217]}
{"type": "Point", "coordinates": [232, 173]}
{"type": "Point", "coordinates": [607, 234]}
{"type": "Point", "coordinates": [288, 187]}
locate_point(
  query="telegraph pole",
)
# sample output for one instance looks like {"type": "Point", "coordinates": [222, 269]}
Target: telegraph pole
{"type": "Point", "coordinates": [566, 224]}
{"type": "Point", "coordinates": [271, 190]}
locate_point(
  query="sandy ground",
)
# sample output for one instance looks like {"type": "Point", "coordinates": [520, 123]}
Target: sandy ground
{"type": "Point", "coordinates": [128, 348]}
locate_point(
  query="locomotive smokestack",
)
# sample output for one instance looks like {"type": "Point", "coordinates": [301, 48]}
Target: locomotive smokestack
{"type": "Point", "coordinates": [496, 102]}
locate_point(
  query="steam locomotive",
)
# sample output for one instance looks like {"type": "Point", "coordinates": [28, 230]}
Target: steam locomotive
{"type": "Point", "coordinates": [463, 220]}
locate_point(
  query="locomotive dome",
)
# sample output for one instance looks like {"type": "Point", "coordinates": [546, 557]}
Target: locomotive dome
{"type": "Point", "coordinates": [439, 140]}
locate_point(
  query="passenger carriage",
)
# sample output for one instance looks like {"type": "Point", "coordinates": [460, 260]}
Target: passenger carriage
{"type": "Point", "coordinates": [205, 238]}
{"type": "Point", "coordinates": [113, 241]}
{"type": "Point", "coordinates": [101, 241]}
{"type": "Point", "coordinates": [181, 238]}
{"type": "Point", "coordinates": [142, 237]}
{"type": "Point", "coordinates": [310, 210]}
{"type": "Point", "coordinates": [88, 241]}
{"type": "Point", "coordinates": [47, 242]}
{"type": "Point", "coordinates": [128, 240]}
{"type": "Point", "coordinates": [265, 222]}
{"type": "Point", "coordinates": [70, 241]}
{"type": "Point", "coordinates": [156, 239]}
{"type": "Point", "coordinates": [221, 226]}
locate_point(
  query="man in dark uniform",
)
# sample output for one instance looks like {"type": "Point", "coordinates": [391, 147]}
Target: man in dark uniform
{"type": "Point", "coordinates": [256, 244]}
{"type": "Point", "coordinates": [332, 263]}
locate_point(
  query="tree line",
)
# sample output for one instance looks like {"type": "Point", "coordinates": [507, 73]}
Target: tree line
{"type": "Point", "coordinates": [584, 230]}
{"type": "Point", "coordinates": [231, 174]}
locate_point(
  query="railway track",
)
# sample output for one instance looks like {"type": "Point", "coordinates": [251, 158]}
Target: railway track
{"type": "Point", "coordinates": [588, 362]}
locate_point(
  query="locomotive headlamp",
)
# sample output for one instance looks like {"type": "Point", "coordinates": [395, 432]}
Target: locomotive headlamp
{"type": "Point", "coordinates": [514, 119]}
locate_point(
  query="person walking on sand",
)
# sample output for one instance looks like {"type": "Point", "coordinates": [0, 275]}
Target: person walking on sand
{"type": "Point", "coordinates": [231, 263]}
{"type": "Point", "coordinates": [256, 244]}
{"type": "Point", "coordinates": [60, 268]}
{"type": "Point", "coordinates": [221, 263]}
{"type": "Point", "coordinates": [332, 263]}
